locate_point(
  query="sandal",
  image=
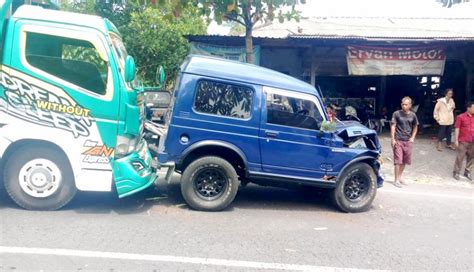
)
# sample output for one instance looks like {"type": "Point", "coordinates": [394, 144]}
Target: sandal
{"type": "Point", "coordinates": [397, 184]}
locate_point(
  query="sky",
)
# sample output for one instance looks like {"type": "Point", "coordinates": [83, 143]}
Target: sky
{"type": "Point", "coordinates": [374, 8]}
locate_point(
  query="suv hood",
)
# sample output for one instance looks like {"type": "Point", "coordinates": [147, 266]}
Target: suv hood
{"type": "Point", "coordinates": [352, 132]}
{"type": "Point", "coordinates": [353, 129]}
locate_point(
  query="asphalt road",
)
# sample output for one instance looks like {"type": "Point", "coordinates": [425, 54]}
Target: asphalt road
{"type": "Point", "coordinates": [419, 227]}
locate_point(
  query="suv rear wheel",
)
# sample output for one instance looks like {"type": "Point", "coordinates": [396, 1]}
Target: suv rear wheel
{"type": "Point", "coordinates": [356, 188]}
{"type": "Point", "coordinates": [209, 184]}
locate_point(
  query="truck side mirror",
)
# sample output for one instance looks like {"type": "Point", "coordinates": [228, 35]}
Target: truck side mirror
{"type": "Point", "coordinates": [160, 76]}
{"type": "Point", "coordinates": [130, 69]}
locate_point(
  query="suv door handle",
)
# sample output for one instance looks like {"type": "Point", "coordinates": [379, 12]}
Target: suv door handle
{"type": "Point", "coordinates": [271, 134]}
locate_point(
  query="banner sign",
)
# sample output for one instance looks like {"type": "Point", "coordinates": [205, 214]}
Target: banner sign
{"type": "Point", "coordinates": [384, 61]}
{"type": "Point", "coordinates": [227, 52]}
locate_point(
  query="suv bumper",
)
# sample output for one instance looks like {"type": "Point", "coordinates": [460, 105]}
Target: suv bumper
{"type": "Point", "coordinates": [169, 168]}
{"type": "Point", "coordinates": [134, 172]}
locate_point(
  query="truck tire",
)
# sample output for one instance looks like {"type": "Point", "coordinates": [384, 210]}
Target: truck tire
{"type": "Point", "coordinates": [356, 188]}
{"type": "Point", "coordinates": [39, 178]}
{"type": "Point", "coordinates": [209, 184]}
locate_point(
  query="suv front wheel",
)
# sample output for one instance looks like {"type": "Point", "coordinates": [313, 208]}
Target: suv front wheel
{"type": "Point", "coordinates": [356, 188]}
{"type": "Point", "coordinates": [209, 184]}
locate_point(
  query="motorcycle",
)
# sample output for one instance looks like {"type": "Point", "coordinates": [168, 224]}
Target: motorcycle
{"type": "Point", "coordinates": [364, 115]}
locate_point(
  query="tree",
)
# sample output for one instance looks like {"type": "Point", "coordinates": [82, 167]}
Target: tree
{"type": "Point", "coordinates": [248, 13]}
{"type": "Point", "coordinates": [153, 31]}
{"type": "Point", "coordinates": [154, 39]}
{"type": "Point", "coordinates": [450, 3]}
{"type": "Point", "coordinates": [236, 29]}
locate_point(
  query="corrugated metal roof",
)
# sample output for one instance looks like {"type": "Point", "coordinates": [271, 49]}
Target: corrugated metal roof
{"type": "Point", "coordinates": [375, 28]}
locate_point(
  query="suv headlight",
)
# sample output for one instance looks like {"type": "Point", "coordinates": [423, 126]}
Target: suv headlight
{"type": "Point", "coordinates": [125, 145]}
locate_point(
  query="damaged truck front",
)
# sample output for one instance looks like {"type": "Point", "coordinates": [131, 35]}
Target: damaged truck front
{"type": "Point", "coordinates": [70, 116]}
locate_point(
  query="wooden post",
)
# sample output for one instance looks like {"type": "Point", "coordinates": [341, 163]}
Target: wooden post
{"type": "Point", "coordinates": [313, 68]}
{"type": "Point", "coordinates": [381, 94]}
{"type": "Point", "coordinates": [469, 81]}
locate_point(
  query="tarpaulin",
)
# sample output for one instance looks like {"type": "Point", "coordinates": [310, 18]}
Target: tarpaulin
{"type": "Point", "coordinates": [227, 52]}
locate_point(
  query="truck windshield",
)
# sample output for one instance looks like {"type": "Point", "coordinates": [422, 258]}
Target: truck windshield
{"type": "Point", "coordinates": [121, 53]}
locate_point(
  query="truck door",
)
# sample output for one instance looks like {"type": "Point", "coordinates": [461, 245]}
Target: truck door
{"type": "Point", "coordinates": [289, 138]}
{"type": "Point", "coordinates": [66, 83]}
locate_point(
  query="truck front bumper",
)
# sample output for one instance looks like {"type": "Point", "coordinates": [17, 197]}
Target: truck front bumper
{"type": "Point", "coordinates": [134, 172]}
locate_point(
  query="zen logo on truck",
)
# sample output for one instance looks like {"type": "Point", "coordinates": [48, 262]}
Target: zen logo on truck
{"type": "Point", "coordinates": [40, 106]}
{"type": "Point", "coordinates": [96, 153]}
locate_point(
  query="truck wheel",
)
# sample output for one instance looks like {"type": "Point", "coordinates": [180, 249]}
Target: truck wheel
{"type": "Point", "coordinates": [209, 184]}
{"type": "Point", "coordinates": [39, 178]}
{"type": "Point", "coordinates": [356, 188]}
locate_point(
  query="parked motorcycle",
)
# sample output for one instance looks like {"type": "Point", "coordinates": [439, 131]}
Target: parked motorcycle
{"type": "Point", "coordinates": [364, 115]}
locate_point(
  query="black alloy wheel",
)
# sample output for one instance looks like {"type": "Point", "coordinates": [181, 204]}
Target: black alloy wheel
{"type": "Point", "coordinates": [210, 183]}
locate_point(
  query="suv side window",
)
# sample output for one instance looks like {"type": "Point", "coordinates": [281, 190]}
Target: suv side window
{"type": "Point", "coordinates": [293, 112]}
{"type": "Point", "coordinates": [75, 61]}
{"type": "Point", "coordinates": [223, 99]}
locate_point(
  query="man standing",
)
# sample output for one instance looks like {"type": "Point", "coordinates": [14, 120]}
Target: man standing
{"type": "Point", "coordinates": [464, 141]}
{"type": "Point", "coordinates": [444, 114]}
{"type": "Point", "coordinates": [403, 130]}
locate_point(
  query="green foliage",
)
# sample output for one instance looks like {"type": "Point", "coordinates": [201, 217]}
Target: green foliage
{"type": "Point", "coordinates": [153, 31]}
{"type": "Point", "coordinates": [156, 39]}
{"type": "Point", "coordinates": [248, 13]}
{"type": "Point", "coordinates": [236, 29]}
{"type": "Point", "coordinates": [86, 6]}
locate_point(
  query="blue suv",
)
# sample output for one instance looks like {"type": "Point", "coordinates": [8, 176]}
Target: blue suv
{"type": "Point", "coordinates": [232, 123]}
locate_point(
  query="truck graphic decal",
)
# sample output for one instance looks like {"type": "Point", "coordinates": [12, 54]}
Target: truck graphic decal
{"type": "Point", "coordinates": [96, 153]}
{"type": "Point", "coordinates": [51, 106]}
{"type": "Point", "coordinates": [39, 106]}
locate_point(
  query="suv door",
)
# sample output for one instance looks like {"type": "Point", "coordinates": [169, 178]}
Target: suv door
{"type": "Point", "coordinates": [290, 141]}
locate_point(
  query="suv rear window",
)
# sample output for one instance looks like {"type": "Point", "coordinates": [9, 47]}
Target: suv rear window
{"type": "Point", "coordinates": [223, 99]}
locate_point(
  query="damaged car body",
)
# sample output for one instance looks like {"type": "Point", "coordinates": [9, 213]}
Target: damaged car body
{"type": "Point", "coordinates": [232, 123]}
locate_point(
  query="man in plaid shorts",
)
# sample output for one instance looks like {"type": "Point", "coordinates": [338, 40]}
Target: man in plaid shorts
{"type": "Point", "coordinates": [403, 130]}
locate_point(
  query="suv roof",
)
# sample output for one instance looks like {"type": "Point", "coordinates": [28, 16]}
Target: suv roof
{"type": "Point", "coordinates": [249, 73]}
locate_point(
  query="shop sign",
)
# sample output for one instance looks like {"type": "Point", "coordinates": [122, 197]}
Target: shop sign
{"type": "Point", "coordinates": [415, 60]}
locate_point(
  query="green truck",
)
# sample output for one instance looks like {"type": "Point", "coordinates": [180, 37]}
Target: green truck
{"type": "Point", "coordinates": [71, 112]}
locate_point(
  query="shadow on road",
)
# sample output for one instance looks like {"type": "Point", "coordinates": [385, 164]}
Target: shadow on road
{"type": "Point", "coordinates": [5, 201]}
{"type": "Point", "coordinates": [169, 195]}
{"type": "Point", "coordinates": [269, 198]}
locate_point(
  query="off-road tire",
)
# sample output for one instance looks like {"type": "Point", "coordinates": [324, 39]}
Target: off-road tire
{"type": "Point", "coordinates": [190, 177]}
{"type": "Point", "coordinates": [340, 196]}
{"type": "Point", "coordinates": [22, 156]}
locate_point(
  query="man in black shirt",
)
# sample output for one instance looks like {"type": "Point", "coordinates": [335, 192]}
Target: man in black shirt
{"type": "Point", "coordinates": [403, 130]}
